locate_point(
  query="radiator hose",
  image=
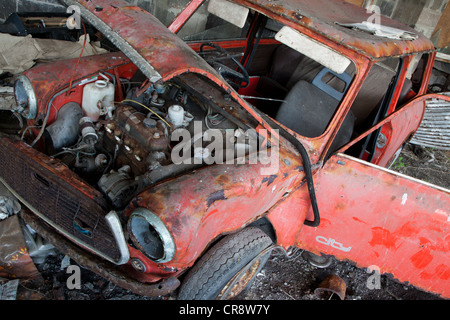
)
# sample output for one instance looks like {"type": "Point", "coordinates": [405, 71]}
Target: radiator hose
{"type": "Point", "coordinates": [65, 130]}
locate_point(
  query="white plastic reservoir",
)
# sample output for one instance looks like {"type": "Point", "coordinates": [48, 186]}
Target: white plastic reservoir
{"type": "Point", "coordinates": [176, 115]}
{"type": "Point", "coordinates": [99, 91]}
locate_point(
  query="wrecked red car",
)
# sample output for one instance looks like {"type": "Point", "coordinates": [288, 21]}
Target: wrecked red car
{"type": "Point", "coordinates": [179, 161]}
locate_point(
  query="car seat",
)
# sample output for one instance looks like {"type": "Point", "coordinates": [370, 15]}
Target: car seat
{"type": "Point", "coordinates": [309, 107]}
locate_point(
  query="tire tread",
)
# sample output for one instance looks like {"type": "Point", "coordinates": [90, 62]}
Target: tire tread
{"type": "Point", "coordinates": [220, 259]}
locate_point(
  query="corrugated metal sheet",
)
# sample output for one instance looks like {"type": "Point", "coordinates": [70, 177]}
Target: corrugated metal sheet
{"type": "Point", "coordinates": [434, 131]}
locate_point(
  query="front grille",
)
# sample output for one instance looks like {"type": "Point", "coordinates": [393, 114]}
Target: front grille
{"type": "Point", "coordinates": [56, 194]}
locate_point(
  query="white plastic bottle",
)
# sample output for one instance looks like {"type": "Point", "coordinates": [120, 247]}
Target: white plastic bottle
{"type": "Point", "coordinates": [99, 91]}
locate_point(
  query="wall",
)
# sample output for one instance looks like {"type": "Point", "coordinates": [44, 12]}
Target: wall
{"type": "Point", "coordinates": [441, 34]}
{"type": "Point", "coordinates": [425, 16]}
{"type": "Point", "coordinates": [9, 6]}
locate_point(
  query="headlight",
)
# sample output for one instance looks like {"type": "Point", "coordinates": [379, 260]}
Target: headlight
{"type": "Point", "coordinates": [25, 97]}
{"type": "Point", "coordinates": [150, 235]}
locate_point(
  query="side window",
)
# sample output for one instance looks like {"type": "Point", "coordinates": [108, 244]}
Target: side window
{"type": "Point", "coordinates": [372, 103]}
{"type": "Point", "coordinates": [374, 92]}
{"type": "Point", "coordinates": [416, 71]}
{"type": "Point", "coordinates": [203, 26]}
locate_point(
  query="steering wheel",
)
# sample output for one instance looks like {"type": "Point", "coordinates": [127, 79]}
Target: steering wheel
{"type": "Point", "coordinates": [235, 78]}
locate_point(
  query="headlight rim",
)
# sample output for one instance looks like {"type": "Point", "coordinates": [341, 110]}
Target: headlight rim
{"type": "Point", "coordinates": [162, 230]}
{"type": "Point", "coordinates": [31, 109]}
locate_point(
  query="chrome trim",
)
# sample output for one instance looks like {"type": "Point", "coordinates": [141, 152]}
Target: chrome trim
{"type": "Point", "coordinates": [31, 110]}
{"type": "Point", "coordinates": [114, 223]}
{"type": "Point", "coordinates": [434, 130]}
{"type": "Point", "coordinates": [160, 227]}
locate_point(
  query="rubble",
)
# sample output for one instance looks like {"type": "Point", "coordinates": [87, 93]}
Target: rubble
{"type": "Point", "coordinates": [8, 203]}
{"type": "Point", "coordinates": [8, 289]}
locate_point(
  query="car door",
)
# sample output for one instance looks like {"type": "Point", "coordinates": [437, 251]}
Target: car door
{"type": "Point", "coordinates": [389, 107]}
{"type": "Point", "coordinates": [376, 217]}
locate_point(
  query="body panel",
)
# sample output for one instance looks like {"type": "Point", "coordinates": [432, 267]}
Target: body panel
{"type": "Point", "coordinates": [49, 79]}
{"type": "Point", "coordinates": [218, 199]}
{"type": "Point", "coordinates": [376, 217]}
{"type": "Point", "coordinates": [414, 109]}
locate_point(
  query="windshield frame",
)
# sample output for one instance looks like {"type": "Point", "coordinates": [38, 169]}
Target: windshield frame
{"type": "Point", "coordinates": [316, 146]}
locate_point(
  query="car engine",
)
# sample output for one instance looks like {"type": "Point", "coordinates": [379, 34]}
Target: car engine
{"type": "Point", "coordinates": [123, 147]}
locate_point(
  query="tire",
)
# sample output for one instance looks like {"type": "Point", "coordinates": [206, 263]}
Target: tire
{"type": "Point", "coordinates": [210, 277]}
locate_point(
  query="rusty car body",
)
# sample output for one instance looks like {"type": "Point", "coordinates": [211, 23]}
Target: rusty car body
{"type": "Point", "coordinates": [110, 197]}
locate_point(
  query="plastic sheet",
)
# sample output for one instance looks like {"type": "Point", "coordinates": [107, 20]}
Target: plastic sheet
{"type": "Point", "coordinates": [18, 54]}
{"type": "Point", "coordinates": [15, 261]}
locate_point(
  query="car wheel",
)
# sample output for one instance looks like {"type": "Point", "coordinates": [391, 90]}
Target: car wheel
{"type": "Point", "coordinates": [227, 268]}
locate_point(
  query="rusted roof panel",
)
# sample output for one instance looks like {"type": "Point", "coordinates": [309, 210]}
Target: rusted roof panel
{"type": "Point", "coordinates": [323, 16]}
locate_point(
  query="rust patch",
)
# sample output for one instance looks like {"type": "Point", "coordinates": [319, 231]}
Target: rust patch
{"type": "Point", "coordinates": [332, 284]}
{"type": "Point", "coordinates": [156, 202]}
{"type": "Point", "coordinates": [297, 16]}
{"type": "Point", "coordinates": [222, 179]}
{"type": "Point", "coordinates": [215, 196]}
{"type": "Point", "coordinates": [340, 206]}
{"type": "Point", "coordinates": [269, 179]}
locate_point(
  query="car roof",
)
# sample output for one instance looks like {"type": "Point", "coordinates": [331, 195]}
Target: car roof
{"type": "Point", "coordinates": [326, 16]}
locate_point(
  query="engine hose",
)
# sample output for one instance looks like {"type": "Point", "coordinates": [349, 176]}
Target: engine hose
{"type": "Point", "coordinates": [306, 167]}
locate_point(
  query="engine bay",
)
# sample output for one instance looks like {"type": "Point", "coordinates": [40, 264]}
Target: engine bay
{"type": "Point", "coordinates": [122, 147]}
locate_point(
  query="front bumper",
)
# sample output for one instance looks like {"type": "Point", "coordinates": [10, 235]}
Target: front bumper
{"type": "Point", "coordinates": [103, 268]}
